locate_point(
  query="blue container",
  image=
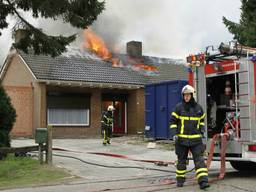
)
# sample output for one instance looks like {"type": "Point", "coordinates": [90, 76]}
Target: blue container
{"type": "Point", "coordinates": [160, 100]}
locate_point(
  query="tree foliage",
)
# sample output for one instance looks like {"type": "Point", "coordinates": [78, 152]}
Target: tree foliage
{"type": "Point", "coordinates": [7, 118]}
{"type": "Point", "coordinates": [244, 31]}
{"type": "Point", "coordinates": [79, 13]}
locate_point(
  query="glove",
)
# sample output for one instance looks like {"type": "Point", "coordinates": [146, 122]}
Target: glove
{"type": "Point", "coordinates": [175, 138]}
{"type": "Point", "coordinates": [202, 132]}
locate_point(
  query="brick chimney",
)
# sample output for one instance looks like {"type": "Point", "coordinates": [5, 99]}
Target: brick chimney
{"type": "Point", "coordinates": [19, 34]}
{"type": "Point", "coordinates": [134, 48]}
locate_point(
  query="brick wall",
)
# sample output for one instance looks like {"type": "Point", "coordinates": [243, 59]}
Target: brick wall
{"type": "Point", "coordinates": [21, 98]}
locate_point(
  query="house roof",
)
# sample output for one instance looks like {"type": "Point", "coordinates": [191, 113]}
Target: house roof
{"type": "Point", "coordinates": [82, 69]}
{"type": "Point", "coordinates": [167, 69]}
{"type": "Point", "coordinates": [94, 70]}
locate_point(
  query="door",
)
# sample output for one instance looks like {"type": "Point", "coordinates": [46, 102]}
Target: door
{"type": "Point", "coordinates": [119, 117]}
{"type": "Point", "coordinates": [161, 112]}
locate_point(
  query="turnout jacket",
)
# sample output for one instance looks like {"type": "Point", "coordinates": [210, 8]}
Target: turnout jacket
{"type": "Point", "coordinates": [107, 119]}
{"type": "Point", "coordinates": [187, 122]}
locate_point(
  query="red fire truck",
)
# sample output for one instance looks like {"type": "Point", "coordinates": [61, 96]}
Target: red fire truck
{"type": "Point", "coordinates": [225, 83]}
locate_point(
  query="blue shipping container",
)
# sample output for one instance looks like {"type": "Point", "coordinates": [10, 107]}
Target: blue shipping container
{"type": "Point", "coordinates": [160, 100]}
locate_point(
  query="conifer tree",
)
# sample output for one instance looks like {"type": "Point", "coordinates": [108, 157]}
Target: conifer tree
{"type": "Point", "coordinates": [244, 31]}
{"type": "Point", "coordinates": [78, 13]}
{"type": "Point", "coordinates": [7, 119]}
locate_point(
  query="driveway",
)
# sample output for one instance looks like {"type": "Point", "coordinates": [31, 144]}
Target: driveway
{"type": "Point", "coordinates": [103, 173]}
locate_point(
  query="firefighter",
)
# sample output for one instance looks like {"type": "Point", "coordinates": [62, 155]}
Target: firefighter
{"type": "Point", "coordinates": [187, 123]}
{"type": "Point", "coordinates": [107, 123]}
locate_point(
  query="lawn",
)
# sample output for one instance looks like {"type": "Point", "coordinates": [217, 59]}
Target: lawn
{"type": "Point", "coordinates": [26, 171]}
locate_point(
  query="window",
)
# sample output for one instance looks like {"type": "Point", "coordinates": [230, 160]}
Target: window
{"type": "Point", "coordinates": [68, 116]}
{"type": "Point", "coordinates": [68, 109]}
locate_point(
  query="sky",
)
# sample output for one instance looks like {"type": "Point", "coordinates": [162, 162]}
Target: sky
{"type": "Point", "coordinates": [166, 28]}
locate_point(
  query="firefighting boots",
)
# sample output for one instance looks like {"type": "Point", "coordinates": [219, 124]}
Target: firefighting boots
{"type": "Point", "coordinates": [180, 184]}
{"type": "Point", "coordinates": [204, 185]}
{"type": "Point", "coordinates": [180, 181]}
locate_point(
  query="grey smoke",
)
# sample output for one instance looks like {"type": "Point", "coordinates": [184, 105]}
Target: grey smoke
{"type": "Point", "coordinates": [167, 28]}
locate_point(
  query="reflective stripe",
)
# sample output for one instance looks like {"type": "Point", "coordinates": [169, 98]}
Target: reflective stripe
{"type": "Point", "coordinates": [182, 126]}
{"type": "Point", "coordinates": [180, 171]}
{"type": "Point", "coordinates": [189, 136]}
{"type": "Point", "coordinates": [184, 118]}
{"type": "Point", "coordinates": [202, 116]}
{"type": "Point", "coordinates": [188, 118]}
{"type": "Point", "coordinates": [180, 175]}
{"type": "Point", "coordinates": [173, 126]}
{"type": "Point", "coordinates": [201, 169]}
{"type": "Point", "coordinates": [175, 115]}
{"type": "Point", "coordinates": [194, 118]}
{"type": "Point", "coordinates": [201, 174]}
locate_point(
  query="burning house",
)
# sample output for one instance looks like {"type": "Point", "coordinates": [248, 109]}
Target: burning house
{"type": "Point", "coordinates": [70, 91]}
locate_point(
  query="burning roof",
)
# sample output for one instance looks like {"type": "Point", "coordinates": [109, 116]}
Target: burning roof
{"type": "Point", "coordinates": [96, 45]}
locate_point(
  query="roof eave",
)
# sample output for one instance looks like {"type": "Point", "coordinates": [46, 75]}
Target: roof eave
{"type": "Point", "coordinates": [90, 84]}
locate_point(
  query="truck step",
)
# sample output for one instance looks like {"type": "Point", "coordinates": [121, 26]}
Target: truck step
{"type": "Point", "coordinates": [242, 94]}
{"type": "Point", "coordinates": [244, 106]}
{"type": "Point", "coordinates": [242, 83]}
{"type": "Point", "coordinates": [244, 71]}
{"type": "Point", "coordinates": [244, 117]}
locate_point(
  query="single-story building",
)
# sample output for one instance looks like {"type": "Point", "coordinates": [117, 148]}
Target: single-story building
{"type": "Point", "coordinates": [70, 92]}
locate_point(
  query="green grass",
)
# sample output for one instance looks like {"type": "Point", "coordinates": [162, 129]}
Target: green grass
{"type": "Point", "coordinates": [26, 171]}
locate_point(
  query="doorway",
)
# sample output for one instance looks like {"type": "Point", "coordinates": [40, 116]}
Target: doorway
{"type": "Point", "coordinates": [119, 115]}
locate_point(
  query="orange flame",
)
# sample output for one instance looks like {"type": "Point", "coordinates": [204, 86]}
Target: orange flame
{"type": "Point", "coordinates": [96, 44]}
{"type": "Point", "coordinates": [145, 67]}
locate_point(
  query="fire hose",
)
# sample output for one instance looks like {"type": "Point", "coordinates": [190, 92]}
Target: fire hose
{"type": "Point", "coordinates": [223, 138]}
{"type": "Point", "coordinates": [190, 180]}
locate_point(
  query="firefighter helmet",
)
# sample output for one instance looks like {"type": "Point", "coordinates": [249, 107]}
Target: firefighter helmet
{"type": "Point", "coordinates": [188, 89]}
{"type": "Point", "coordinates": [111, 108]}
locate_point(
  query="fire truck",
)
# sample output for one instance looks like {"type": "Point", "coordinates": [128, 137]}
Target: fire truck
{"type": "Point", "coordinates": [225, 84]}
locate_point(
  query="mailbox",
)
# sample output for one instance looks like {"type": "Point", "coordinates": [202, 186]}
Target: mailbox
{"type": "Point", "coordinates": [41, 135]}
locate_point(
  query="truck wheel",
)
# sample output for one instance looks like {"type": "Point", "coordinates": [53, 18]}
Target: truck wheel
{"type": "Point", "coordinates": [245, 166]}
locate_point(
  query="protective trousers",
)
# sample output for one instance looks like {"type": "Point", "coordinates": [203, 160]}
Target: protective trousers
{"type": "Point", "coordinates": [200, 167]}
{"type": "Point", "coordinates": [107, 133]}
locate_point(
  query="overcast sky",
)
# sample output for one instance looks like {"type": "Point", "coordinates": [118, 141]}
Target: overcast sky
{"type": "Point", "coordinates": [167, 28]}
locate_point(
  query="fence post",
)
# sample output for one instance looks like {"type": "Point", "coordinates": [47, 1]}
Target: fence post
{"type": "Point", "coordinates": [49, 145]}
{"type": "Point", "coordinates": [40, 153]}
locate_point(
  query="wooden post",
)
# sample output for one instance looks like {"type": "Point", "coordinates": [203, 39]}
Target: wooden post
{"type": "Point", "coordinates": [40, 153]}
{"type": "Point", "coordinates": [49, 145]}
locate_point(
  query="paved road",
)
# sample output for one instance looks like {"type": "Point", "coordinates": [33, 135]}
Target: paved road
{"type": "Point", "coordinates": [95, 178]}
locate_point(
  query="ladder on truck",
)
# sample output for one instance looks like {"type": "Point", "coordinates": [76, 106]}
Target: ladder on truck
{"type": "Point", "coordinates": [243, 101]}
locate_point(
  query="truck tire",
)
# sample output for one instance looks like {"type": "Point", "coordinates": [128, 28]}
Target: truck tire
{"type": "Point", "coordinates": [243, 166]}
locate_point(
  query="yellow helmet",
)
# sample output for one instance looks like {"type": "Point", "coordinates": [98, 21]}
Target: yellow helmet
{"type": "Point", "coordinates": [188, 89]}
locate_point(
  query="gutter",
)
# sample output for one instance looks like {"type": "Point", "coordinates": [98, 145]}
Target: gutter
{"type": "Point", "coordinates": [89, 84]}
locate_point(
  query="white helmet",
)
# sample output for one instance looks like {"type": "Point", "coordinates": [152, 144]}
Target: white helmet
{"type": "Point", "coordinates": [111, 108]}
{"type": "Point", "coordinates": [188, 89]}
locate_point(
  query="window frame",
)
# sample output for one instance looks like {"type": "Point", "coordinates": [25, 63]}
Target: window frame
{"type": "Point", "coordinates": [69, 125]}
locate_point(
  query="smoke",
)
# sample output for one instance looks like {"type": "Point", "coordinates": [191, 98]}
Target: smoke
{"type": "Point", "coordinates": [167, 28]}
